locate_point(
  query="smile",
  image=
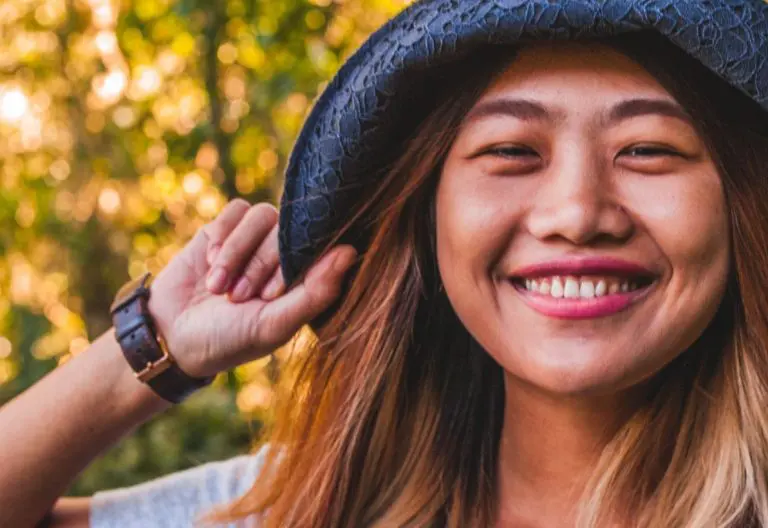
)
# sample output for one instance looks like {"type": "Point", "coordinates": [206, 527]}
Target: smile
{"type": "Point", "coordinates": [583, 289]}
{"type": "Point", "coordinates": [580, 287]}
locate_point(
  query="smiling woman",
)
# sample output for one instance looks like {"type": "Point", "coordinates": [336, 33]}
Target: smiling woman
{"type": "Point", "coordinates": [558, 315]}
{"type": "Point", "coordinates": [562, 283]}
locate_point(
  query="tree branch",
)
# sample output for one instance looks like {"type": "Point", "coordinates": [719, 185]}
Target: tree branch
{"type": "Point", "coordinates": [217, 20]}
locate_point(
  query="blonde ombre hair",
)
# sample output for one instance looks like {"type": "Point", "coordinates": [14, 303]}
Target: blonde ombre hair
{"type": "Point", "coordinates": [396, 414]}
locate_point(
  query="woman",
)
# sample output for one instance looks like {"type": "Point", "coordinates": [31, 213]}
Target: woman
{"type": "Point", "coordinates": [556, 317]}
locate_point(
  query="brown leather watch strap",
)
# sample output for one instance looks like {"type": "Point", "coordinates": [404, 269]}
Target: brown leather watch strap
{"type": "Point", "coordinates": [144, 349]}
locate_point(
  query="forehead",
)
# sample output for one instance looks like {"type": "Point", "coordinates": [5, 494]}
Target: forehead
{"type": "Point", "coordinates": [554, 70]}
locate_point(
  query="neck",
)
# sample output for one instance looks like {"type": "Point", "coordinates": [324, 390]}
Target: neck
{"type": "Point", "coordinates": [549, 447]}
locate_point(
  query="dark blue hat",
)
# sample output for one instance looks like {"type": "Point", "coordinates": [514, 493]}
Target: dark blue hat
{"type": "Point", "coordinates": [366, 102]}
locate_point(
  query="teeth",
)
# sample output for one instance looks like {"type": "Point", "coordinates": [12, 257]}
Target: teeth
{"type": "Point", "coordinates": [587, 290]}
{"type": "Point", "coordinates": [575, 288]}
{"type": "Point", "coordinates": [556, 290]}
{"type": "Point", "coordinates": [601, 288]}
{"type": "Point", "coordinates": [571, 288]}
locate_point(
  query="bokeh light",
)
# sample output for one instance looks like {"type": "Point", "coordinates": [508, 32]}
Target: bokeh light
{"type": "Point", "coordinates": [125, 125]}
{"type": "Point", "coordinates": [6, 347]}
{"type": "Point", "coordinates": [14, 104]}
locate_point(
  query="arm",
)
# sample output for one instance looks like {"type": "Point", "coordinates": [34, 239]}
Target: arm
{"type": "Point", "coordinates": [69, 513]}
{"type": "Point", "coordinates": [52, 431]}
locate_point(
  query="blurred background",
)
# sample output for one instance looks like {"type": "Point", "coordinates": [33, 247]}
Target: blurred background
{"type": "Point", "coordinates": [124, 126]}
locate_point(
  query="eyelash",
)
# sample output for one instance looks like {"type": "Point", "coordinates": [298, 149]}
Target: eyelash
{"type": "Point", "coordinates": [504, 152]}
{"type": "Point", "coordinates": [511, 152]}
{"type": "Point", "coordinates": [659, 150]}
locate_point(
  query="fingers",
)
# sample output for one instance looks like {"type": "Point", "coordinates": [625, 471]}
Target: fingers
{"type": "Point", "coordinates": [275, 287]}
{"type": "Point", "coordinates": [259, 269]}
{"type": "Point", "coordinates": [241, 250]}
{"type": "Point", "coordinates": [193, 253]}
{"type": "Point", "coordinates": [284, 316]}
{"type": "Point", "coordinates": [224, 223]}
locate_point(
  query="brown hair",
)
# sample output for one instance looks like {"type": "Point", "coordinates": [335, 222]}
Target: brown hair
{"type": "Point", "coordinates": [396, 414]}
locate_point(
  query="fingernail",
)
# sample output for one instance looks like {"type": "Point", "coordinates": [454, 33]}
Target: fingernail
{"type": "Point", "coordinates": [217, 280]}
{"type": "Point", "coordinates": [242, 288]}
{"type": "Point", "coordinates": [213, 251]}
{"type": "Point", "coordinates": [272, 289]}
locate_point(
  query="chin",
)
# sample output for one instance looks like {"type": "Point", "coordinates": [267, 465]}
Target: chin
{"type": "Point", "coordinates": [582, 371]}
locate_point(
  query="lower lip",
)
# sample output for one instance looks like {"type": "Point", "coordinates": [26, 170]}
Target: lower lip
{"type": "Point", "coordinates": [582, 308]}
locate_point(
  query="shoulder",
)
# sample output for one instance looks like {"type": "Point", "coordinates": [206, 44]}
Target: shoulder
{"type": "Point", "coordinates": [177, 499]}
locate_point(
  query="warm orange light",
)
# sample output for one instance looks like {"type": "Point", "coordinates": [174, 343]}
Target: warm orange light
{"type": "Point", "coordinates": [109, 201]}
{"type": "Point", "coordinates": [5, 347]}
{"type": "Point", "coordinates": [109, 87]}
{"type": "Point", "coordinates": [192, 183]}
{"type": "Point", "coordinates": [104, 13]}
{"type": "Point", "coordinates": [146, 81]}
{"type": "Point", "coordinates": [268, 160]}
{"type": "Point", "coordinates": [105, 41]}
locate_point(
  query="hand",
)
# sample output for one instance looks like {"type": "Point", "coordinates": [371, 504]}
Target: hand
{"type": "Point", "coordinates": [207, 331]}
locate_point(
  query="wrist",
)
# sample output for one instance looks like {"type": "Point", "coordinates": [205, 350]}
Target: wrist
{"type": "Point", "coordinates": [184, 354]}
{"type": "Point", "coordinates": [137, 332]}
{"type": "Point", "coordinates": [131, 395]}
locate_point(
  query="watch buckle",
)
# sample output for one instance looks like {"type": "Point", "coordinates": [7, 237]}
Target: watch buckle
{"type": "Point", "coordinates": [157, 367]}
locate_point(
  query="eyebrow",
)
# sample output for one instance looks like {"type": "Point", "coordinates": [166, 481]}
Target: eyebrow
{"type": "Point", "coordinates": [639, 107]}
{"type": "Point", "coordinates": [527, 110]}
{"type": "Point", "coordinates": [522, 109]}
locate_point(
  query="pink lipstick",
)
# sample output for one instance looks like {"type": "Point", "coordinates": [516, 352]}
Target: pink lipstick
{"type": "Point", "coordinates": [583, 288]}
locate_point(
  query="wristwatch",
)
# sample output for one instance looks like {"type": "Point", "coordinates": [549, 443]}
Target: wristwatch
{"type": "Point", "coordinates": [143, 346]}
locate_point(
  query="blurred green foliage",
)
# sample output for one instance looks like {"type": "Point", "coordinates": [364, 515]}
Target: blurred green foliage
{"type": "Point", "coordinates": [124, 127]}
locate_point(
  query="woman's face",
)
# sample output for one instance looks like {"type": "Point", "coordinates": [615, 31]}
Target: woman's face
{"type": "Point", "coordinates": [582, 230]}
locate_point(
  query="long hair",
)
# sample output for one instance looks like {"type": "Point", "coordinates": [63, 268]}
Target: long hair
{"type": "Point", "coordinates": [396, 414]}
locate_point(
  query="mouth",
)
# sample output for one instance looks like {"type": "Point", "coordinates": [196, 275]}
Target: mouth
{"type": "Point", "coordinates": [583, 290]}
{"type": "Point", "coordinates": [583, 287]}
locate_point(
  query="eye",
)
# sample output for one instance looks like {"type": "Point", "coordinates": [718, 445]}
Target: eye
{"type": "Point", "coordinates": [510, 160]}
{"type": "Point", "coordinates": [651, 159]}
{"type": "Point", "coordinates": [512, 152]}
{"type": "Point", "coordinates": [650, 151]}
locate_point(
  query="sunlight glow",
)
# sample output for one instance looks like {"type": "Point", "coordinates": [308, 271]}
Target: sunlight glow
{"type": "Point", "coordinates": [104, 13]}
{"type": "Point", "coordinates": [14, 104]}
{"type": "Point", "coordinates": [106, 41]}
{"type": "Point", "coordinates": [192, 183]}
{"type": "Point", "coordinates": [109, 201]}
{"type": "Point", "coordinates": [109, 87]}
{"type": "Point", "coordinates": [146, 81]}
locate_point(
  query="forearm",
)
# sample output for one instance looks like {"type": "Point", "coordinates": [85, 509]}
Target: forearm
{"type": "Point", "coordinates": [52, 431]}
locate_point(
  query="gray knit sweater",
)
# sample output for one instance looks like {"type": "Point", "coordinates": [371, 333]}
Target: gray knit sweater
{"type": "Point", "coordinates": [180, 499]}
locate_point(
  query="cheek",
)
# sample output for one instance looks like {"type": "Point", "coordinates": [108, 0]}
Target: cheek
{"type": "Point", "coordinates": [688, 220]}
{"type": "Point", "coordinates": [689, 223]}
{"type": "Point", "coordinates": [472, 229]}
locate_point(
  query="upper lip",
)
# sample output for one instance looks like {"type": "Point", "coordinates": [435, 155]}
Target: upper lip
{"type": "Point", "coordinates": [584, 266]}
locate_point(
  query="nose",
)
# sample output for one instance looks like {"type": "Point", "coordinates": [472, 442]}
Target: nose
{"type": "Point", "coordinates": [577, 203]}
